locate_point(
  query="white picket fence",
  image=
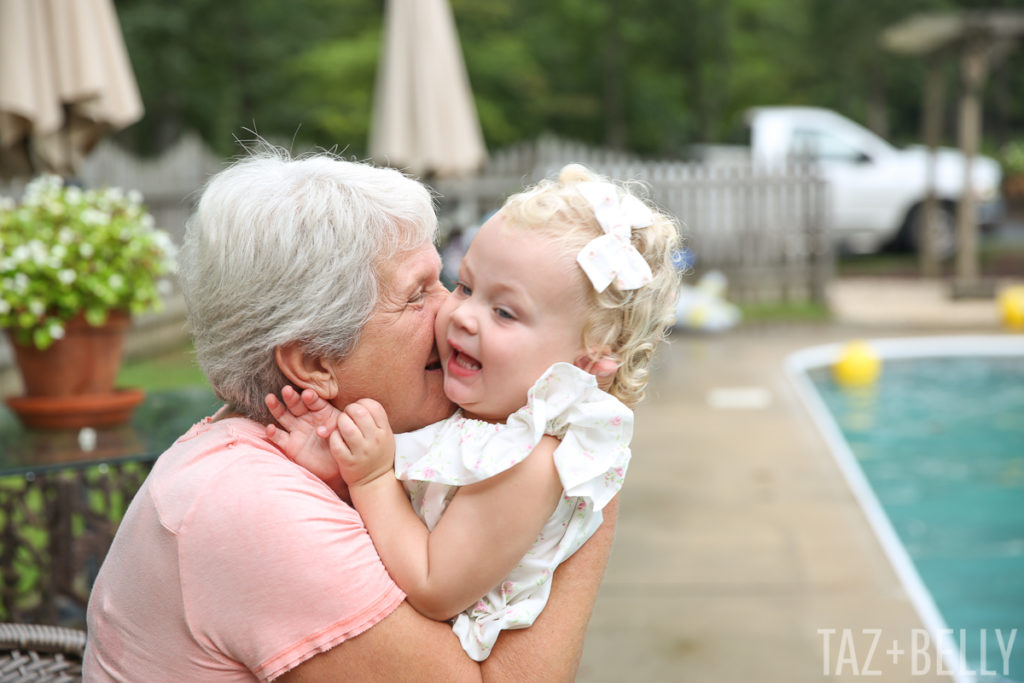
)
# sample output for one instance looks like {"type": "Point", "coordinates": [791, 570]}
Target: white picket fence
{"type": "Point", "coordinates": [766, 229]}
{"type": "Point", "coordinates": [168, 183]}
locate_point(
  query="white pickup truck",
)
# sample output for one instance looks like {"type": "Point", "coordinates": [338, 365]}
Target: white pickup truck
{"type": "Point", "coordinates": [876, 190]}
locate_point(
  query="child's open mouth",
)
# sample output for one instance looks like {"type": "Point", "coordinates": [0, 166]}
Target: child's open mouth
{"type": "Point", "coordinates": [461, 364]}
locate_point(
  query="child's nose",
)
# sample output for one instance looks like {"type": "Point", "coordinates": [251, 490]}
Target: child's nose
{"type": "Point", "coordinates": [463, 317]}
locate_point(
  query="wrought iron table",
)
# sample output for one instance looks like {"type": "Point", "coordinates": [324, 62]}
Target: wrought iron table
{"type": "Point", "coordinates": [62, 495]}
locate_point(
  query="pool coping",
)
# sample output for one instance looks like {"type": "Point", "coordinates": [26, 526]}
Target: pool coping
{"type": "Point", "coordinates": [797, 364]}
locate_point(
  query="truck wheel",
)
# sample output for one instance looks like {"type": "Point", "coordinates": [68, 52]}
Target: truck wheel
{"type": "Point", "coordinates": [945, 230]}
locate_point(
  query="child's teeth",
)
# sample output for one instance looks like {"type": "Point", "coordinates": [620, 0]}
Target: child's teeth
{"type": "Point", "coordinates": [466, 363]}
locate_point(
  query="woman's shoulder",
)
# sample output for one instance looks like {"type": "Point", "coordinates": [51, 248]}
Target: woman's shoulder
{"type": "Point", "coordinates": [231, 465]}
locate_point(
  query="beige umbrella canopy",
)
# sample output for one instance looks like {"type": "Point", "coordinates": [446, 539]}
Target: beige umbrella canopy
{"type": "Point", "coordinates": [424, 119]}
{"type": "Point", "coordinates": [65, 82]}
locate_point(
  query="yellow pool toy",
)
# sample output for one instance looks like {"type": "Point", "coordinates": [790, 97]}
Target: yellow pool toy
{"type": "Point", "coordinates": [1011, 307]}
{"type": "Point", "coordinates": [857, 365]}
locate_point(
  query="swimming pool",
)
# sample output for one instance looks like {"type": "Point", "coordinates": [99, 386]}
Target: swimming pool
{"type": "Point", "coordinates": [934, 452]}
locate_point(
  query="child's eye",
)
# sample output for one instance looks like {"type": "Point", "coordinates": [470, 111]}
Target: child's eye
{"type": "Point", "coordinates": [462, 289]}
{"type": "Point", "coordinates": [504, 314]}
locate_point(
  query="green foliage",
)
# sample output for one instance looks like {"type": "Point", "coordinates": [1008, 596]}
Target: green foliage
{"type": "Point", "coordinates": [336, 79]}
{"type": "Point", "coordinates": [652, 76]}
{"type": "Point", "coordinates": [64, 251]}
{"type": "Point", "coordinates": [1011, 156]}
{"type": "Point", "coordinates": [226, 67]}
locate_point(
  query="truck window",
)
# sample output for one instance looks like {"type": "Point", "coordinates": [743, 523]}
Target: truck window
{"type": "Point", "coordinates": [818, 145]}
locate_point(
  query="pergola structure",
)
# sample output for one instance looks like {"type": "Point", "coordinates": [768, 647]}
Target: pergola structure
{"type": "Point", "coordinates": [978, 40]}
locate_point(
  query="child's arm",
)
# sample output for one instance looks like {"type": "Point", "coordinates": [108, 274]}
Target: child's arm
{"type": "Point", "coordinates": [485, 531]}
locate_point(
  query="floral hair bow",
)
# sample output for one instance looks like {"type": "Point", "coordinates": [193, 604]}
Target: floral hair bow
{"type": "Point", "coordinates": [611, 257]}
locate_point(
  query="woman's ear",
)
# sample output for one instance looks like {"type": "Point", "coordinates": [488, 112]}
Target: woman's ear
{"type": "Point", "coordinates": [306, 371]}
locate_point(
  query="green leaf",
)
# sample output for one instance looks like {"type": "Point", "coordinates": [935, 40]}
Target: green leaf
{"type": "Point", "coordinates": [96, 316]}
{"type": "Point", "coordinates": [41, 338]}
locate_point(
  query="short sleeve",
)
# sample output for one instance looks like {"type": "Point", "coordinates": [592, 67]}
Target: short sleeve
{"type": "Point", "coordinates": [595, 429]}
{"type": "Point", "coordinates": [275, 568]}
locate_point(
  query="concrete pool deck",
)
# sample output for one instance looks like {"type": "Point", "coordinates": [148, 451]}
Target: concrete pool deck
{"type": "Point", "coordinates": [740, 547]}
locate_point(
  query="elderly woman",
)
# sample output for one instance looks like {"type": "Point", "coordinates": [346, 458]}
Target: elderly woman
{"type": "Point", "coordinates": [235, 563]}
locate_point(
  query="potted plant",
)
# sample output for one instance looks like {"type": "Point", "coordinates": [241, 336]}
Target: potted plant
{"type": "Point", "coordinates": [75, 264]}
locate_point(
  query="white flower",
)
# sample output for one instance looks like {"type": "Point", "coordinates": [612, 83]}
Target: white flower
{"type": "Point", "coordinates": [37, 307]}
{"type": "Point", "coordinates": [116, 281]}
{"type": "Point", "coordinates": [56, 330]}
{"type": "Point", "coordinates": [95, 217]}
{"type": "Point", "coordinates": [5, 307]}
{"type": "Point", "coordinates": [58, 252]}
{"type": "Point", "coordinates": [86, 250]}
{"type": "Point", "coordinates": [134, 196]}
{"type": "Point", "coordinates": [66, 236]}
{"type": "Point", "coordinates": [73, 195]}
{"type": "Point", "coordinates": [20, 284]}
{"type": "Point", "coordinates": [67, 276]}
{"type": "Point", "coordinates": [38, 252]}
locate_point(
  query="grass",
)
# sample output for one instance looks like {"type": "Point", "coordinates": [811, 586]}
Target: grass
{"type": "Point", "coordinates": [885, 264]}
{"type": "Point", "coordinates": [172, 370]}
{"type": "Point", "coordinates": [784, 312]}
{"type": "Point", "coordinates": [996, 258]}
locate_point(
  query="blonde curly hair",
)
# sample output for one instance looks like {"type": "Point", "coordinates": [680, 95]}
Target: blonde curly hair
{"type": "Point", "coordinates": [626, 324]}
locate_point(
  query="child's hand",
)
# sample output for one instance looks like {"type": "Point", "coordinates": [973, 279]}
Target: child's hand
{"type": "Point", "coordinates": [305, 421]}
{"type": "Point", "coordinates": [363, 444]}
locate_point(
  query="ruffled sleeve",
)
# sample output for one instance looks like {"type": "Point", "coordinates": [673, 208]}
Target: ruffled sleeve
{"type": "Point", "coordinates": [595, 429]}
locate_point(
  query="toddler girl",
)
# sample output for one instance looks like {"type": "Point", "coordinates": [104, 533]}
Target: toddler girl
{"type": "Point", "coordinates": [569, 282]}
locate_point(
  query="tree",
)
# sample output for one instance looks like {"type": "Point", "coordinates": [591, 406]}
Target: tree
{"type": "Point", "coordinates": [651, 76]}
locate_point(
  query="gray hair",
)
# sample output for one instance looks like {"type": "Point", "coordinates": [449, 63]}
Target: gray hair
{"type": "Point", "coordinates": [283, 250]}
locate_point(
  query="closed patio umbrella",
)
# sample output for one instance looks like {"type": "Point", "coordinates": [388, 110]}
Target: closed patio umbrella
{"type": "Point", "coordinates": [424, 119]}
{"type": "Point", "coordinates": [65, 82]}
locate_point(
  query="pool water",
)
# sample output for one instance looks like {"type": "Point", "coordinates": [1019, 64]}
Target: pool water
{"type": "Point", "coordinates": [940, 440]}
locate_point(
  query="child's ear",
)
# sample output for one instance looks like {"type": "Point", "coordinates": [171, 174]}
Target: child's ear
{"type": "Point", "coordinates": [601, 365]}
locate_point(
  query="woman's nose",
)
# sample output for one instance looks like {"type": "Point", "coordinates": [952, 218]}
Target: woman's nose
{"type": "Point", "coordinates": [437, 296]}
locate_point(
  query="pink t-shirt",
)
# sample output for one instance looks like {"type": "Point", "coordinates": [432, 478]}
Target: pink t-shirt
{"type": "Point", "coordinates": [231, 564]}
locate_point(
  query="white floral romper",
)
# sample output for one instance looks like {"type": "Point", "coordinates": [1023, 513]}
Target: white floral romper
{"type": "Point", "coordinates": [595, 430]}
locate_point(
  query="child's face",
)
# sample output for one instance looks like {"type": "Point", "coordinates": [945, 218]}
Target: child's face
{"type": "Point", "coordinates": [518, 308]}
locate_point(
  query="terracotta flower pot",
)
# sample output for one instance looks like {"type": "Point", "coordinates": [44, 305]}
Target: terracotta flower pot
{"type": "Point", "coordinates": [71, 384]}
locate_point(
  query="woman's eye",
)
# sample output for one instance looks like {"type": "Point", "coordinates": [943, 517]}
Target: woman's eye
{"type": "Point", "coordinates": [417, 297]}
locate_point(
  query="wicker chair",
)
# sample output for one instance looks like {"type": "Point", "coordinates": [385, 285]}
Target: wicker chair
{"type": "Point", "coordinates": [35, 652]}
